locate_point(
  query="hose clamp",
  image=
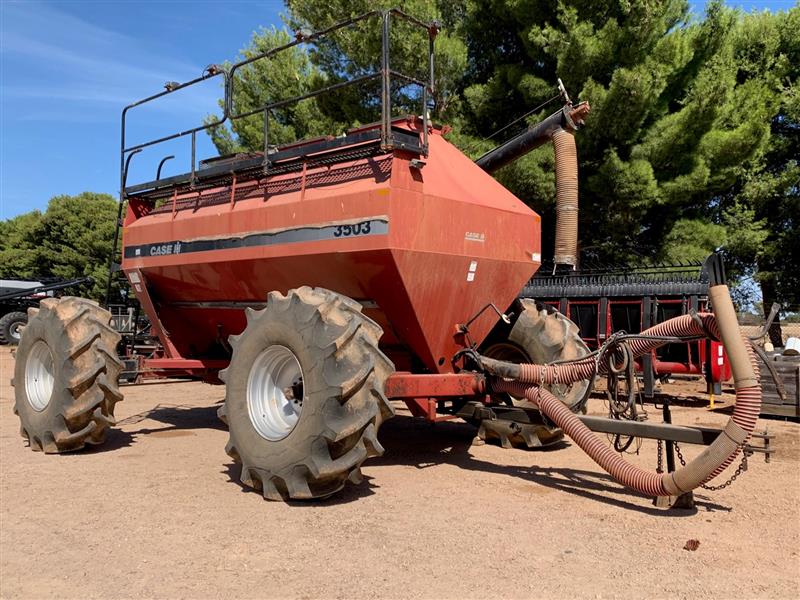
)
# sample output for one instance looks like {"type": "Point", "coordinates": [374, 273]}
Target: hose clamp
{"type": "Point", "coordinates": [701, 324]}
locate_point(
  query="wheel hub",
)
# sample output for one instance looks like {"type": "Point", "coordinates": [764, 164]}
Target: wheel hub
{"type": "Point", "coordinates": [15, 331]}
{"type": "Point", "coordinates": [39, 377]}
{"type": "Point", "coordinates": [275, 393]}
{"type": "Point", "coordinates": [510, 353]}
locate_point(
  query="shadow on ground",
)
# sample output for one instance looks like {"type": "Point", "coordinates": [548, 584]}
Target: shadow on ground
{"type": "Point", "coordinates": [419, 444]}
{"type": "Point", "coordinates": [414, 443]}
{"type": "Point", "coordinates": [179, 420]}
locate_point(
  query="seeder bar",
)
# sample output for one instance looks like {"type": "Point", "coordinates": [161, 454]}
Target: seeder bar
{"type": "Point", "coordinates": [657, 431]}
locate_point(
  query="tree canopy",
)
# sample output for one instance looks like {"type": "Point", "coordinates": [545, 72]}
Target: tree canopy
{"type": "Point", "coordinates": [71, 239]}
{"type": "Point", "coordinates": [691, 145]}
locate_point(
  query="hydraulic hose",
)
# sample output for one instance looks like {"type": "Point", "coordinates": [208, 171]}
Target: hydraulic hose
{"type": "Point", "coordinates": [709, 463]}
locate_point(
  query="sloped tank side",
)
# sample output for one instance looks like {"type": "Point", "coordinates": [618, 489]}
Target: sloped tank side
{"type": "Point", "coordinates": [459, 241]}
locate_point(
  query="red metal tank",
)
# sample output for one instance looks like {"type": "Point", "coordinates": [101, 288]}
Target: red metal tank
{"type": "Point", "coordinates": [423, 244]}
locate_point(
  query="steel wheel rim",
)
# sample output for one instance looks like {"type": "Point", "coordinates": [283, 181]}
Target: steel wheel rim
{"type": "Point", "coordinates": [510, 353]}
{"type": "Point", "coordinates": [15, 331]}
{"type": "Point", "coordinates": [39, 380]}
{"type": "Point", "coordinates": [275, 393]}
{"type": "Point", "coordinates": [513, 353]}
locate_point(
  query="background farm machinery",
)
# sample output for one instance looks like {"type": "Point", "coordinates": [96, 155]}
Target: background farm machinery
{"type": "Point", "coordinates": [604, 301]}
{"type": "Point", "coordinates": [18, 295]}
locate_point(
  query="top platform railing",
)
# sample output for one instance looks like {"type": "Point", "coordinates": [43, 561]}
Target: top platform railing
{"type": "Point", "coordinates": [229, 113]}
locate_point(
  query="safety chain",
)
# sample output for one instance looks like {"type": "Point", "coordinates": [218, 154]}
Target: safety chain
{"type": "Point", "coordinates": [660, 461]}
{"type": "Point", "coordinates": [542, 372]}
{"type": "Point", "coordinates": [714, 488]}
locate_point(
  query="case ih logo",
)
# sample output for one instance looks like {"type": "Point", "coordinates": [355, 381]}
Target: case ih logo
{"type": "Point", "coordinates": [165, 249]}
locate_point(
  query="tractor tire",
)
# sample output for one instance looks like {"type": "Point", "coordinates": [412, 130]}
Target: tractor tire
{"type": "Point", "coordinates": [540, 335]}
{"type": "Point", "coordinates": [66, 375]}
{"type": "Point", "coordinates": [11, 325]}
{"type": "Point", "coordinates": [304, 394]}
{"type": "Point", "coordinates": [544, 335]}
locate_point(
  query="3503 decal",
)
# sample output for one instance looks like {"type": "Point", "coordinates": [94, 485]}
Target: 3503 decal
{"type": "Point", "coordinates": [355, 229]}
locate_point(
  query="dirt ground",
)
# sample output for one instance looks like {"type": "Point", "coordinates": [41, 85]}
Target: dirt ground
{"type": "Point", "coordinates": [157, 513]}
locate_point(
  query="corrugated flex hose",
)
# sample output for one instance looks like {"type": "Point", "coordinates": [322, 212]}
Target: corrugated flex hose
{"type": "Point", "coordinates": [566, 158]}
{"type": "Point", "coordinates": [528, 378]}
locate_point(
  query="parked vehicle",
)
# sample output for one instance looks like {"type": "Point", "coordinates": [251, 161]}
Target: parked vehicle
{"type": "Point", "coordinates": [18, 295]}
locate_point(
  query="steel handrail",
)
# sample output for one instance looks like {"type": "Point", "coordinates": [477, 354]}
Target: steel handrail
{"type": "Point", "coordinates": [228, 75]}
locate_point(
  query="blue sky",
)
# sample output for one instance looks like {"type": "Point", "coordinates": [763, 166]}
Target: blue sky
{"type": "Point", "coordinates": [68, 68]}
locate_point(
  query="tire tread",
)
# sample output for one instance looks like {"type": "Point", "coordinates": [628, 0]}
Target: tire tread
{"type": "Point", "coordinates": [354, 368]}
{"type": "Point", "coordinates": [91, 369]}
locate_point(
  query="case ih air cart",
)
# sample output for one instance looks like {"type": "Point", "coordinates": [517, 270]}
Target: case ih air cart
{"type": "Point", "coordinates": [322, 280]}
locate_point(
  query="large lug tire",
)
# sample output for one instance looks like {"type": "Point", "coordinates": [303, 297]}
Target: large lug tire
{"type": "Point", "coordinates": [539, 335]}
{"type": "Point", "coordinates": [544, 335]}
{"type": "Point", "coordinates": [11, 325]}
{"type": "Point", "coordinates": [314, 353]}
{"type": "Point", "coordinates": [66, 375]}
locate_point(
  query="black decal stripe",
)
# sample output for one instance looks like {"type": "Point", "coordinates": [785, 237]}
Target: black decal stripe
{"type": "Point", "coordinates": [286, 236]}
